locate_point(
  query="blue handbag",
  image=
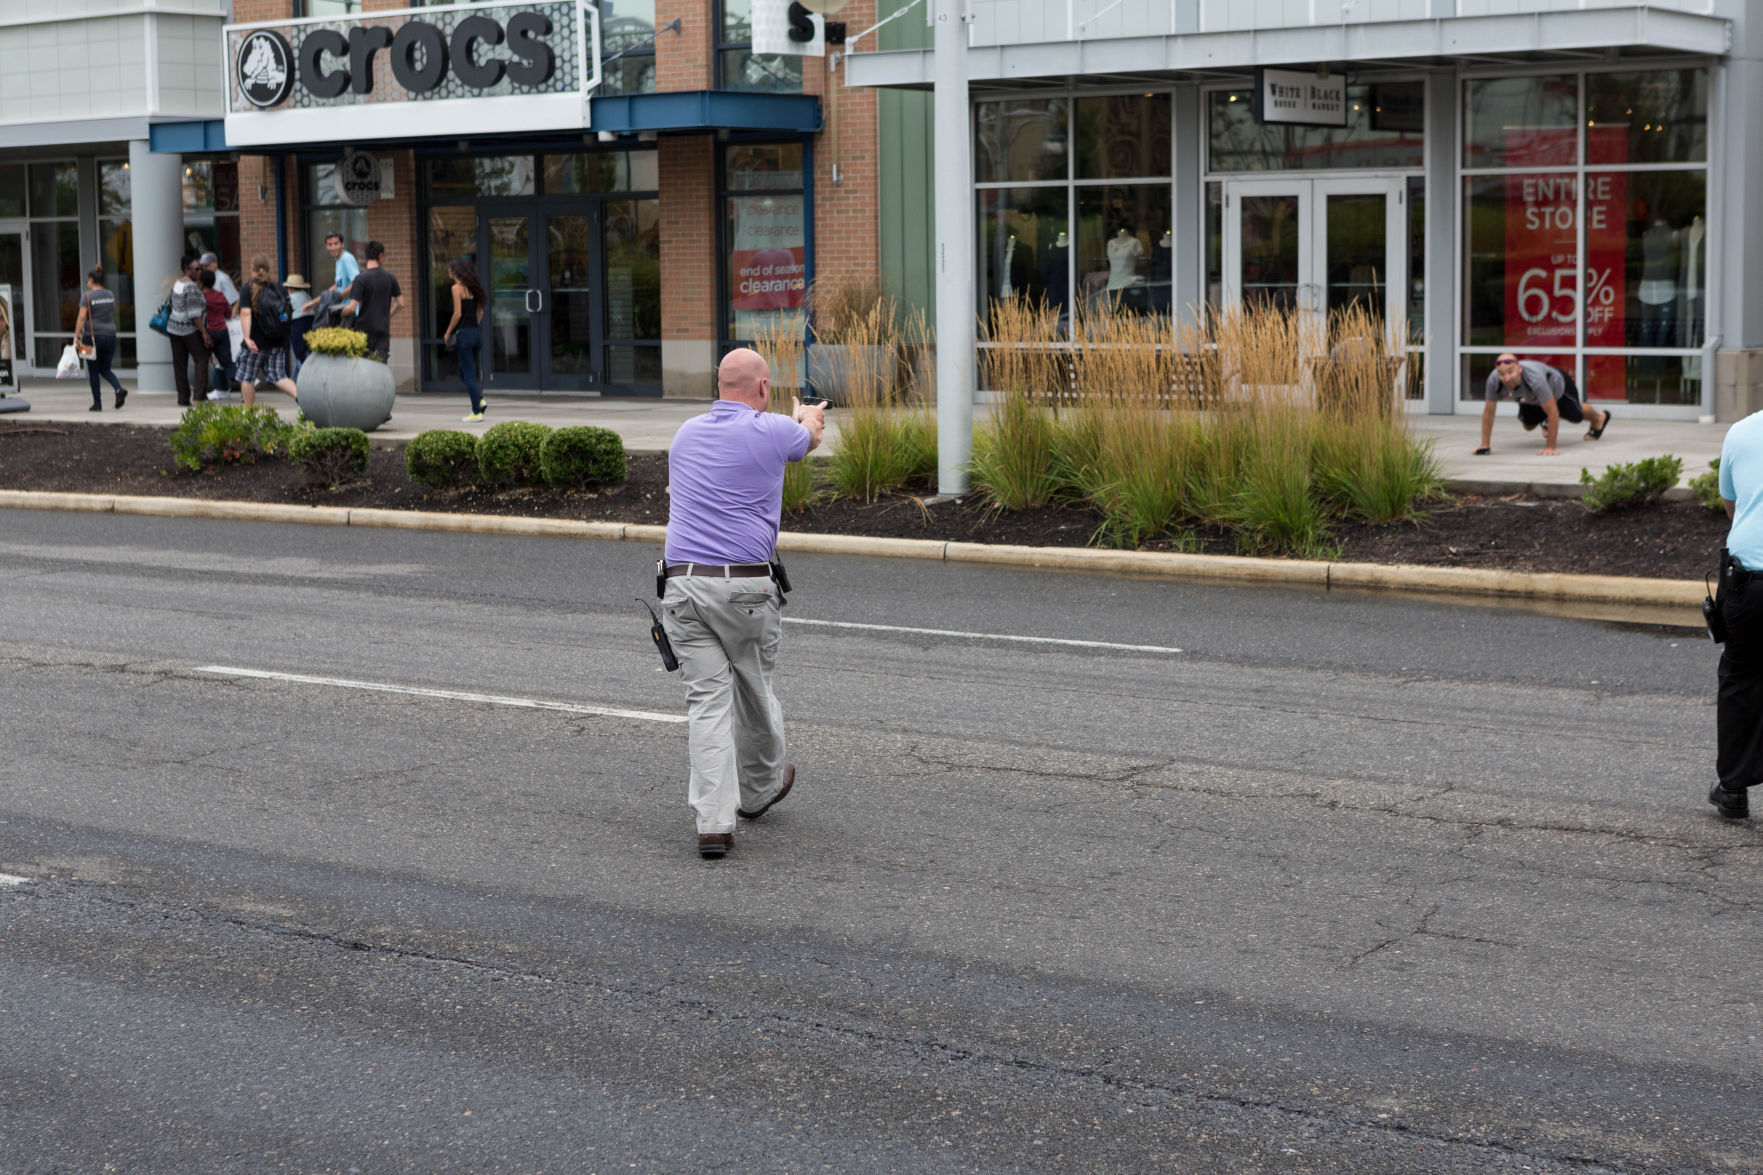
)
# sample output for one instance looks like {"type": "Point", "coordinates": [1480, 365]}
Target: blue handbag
{"type": "Point", "coordinates": [161, 320]}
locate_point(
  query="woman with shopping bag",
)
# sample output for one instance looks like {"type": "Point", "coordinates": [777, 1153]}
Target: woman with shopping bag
{"type": "Point", "coordinates": [94, 333]}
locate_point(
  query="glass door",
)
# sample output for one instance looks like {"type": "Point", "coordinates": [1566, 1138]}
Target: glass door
{"type": "Point", "coordinates": [1361, 254]}
{"type": "Point", "coordinates": [567, 302]}
{"type": "Point", "coordinates": [507, 241]}
{"type": "Point", "coordinates": [13, 276]}
{"type": "Point", "coordinates": [1268, 245]}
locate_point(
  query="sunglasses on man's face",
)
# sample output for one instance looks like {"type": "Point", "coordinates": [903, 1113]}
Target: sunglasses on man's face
{"type": "Point", "coordinates": [1506, 363]}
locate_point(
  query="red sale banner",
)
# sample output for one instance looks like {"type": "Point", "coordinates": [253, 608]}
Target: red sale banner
{"type": "Point", "coordinates": [1543, 298]}
{"type": "Point", "coordinates": [768, 258]}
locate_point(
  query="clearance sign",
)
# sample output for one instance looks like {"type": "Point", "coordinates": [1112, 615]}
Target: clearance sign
{"type": "Point", "coordinates": [455, 69]}
{"type": "Point", "coordinates": [768, 259]}
{"type": "Point", "coordinates": [1543, 297]}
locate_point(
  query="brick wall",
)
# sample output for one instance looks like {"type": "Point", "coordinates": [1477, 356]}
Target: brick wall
{"type": "Point", "coordinates": [683, 59]}
{"type": "Point", "coordinates": [846, 227]}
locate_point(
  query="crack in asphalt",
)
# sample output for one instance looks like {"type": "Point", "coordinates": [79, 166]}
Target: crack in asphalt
{"type": "Point", "coordinates": [1146, 1094]}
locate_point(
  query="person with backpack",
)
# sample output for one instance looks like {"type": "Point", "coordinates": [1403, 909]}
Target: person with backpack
{"type": "Point", "coordinates": [265, 315]}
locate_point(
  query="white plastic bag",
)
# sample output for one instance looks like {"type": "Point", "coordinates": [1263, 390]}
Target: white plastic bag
{"type": "Point", "coordinates": [235, 331]}
{"type": "Point", "coordinates": [70, 363]}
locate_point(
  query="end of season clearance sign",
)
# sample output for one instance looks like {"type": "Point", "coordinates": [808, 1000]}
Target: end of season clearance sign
{"type": "Point", "coordinates": [1543, 296]}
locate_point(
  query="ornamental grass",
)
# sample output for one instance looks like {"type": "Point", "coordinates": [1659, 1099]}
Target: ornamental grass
{"type": "Point", "coordinates": [1269, 425]}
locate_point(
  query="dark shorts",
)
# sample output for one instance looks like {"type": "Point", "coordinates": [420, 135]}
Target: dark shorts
{"type": "Point", "coordinates": [379, 343]}
{"type": "Point", "coordinates": [1567, 404]}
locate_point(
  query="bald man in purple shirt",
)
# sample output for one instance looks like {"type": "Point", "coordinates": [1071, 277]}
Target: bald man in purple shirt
{"type": "Point", "coordinates": [725, 475]}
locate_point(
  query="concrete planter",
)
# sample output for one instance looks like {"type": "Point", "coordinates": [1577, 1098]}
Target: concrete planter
{"type": "Point", "coordinates": [346, 393]}
{"type": "Point", "coordinates": [842, 371]}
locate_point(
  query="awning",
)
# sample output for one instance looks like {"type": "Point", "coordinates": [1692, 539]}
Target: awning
{"type": "Point", "coordinates": [1512, 38]}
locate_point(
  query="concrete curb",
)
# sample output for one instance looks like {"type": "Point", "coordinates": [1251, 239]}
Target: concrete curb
{"type": "Point", "coordinates": [1607, 589]}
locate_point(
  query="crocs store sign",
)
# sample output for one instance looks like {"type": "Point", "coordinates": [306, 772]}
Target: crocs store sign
{"type": "Point", "coordinates": [454, 70]}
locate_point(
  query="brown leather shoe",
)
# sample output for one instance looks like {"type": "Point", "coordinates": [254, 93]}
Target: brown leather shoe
{"type": "Point", "coordinates": [789, 782]}
{"type": "Point", "coordinates": [715, 844]}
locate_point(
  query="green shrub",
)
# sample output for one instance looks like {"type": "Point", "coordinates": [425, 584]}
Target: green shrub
{"type": "Point", "coordinates": [442, 458]}
{"type": "Point", "coordinates": [219, 434]}
{"type": "Point", "coordinates": [1278, 505]}
{"type": "Point", "coordinates": [1367, 470]}
{"type": "Point", "coordinates": [330, 455]}
{"type": "Point", "coordinates": [508, 454]}
{"type": "Point", "coordinates": [1706, 487]}
{"type": "Point", "coordinates": [583, 455]}
{"type": "Point", "coordinates": [1623, 486]}
{"type": "Point", "coordinates": [334, 340]}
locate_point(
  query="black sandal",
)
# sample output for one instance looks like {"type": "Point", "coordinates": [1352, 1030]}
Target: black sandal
{"type": "Point", "coordinates": [1483, 451]}
{"type": "Point", "coordinates": [1593, 434]}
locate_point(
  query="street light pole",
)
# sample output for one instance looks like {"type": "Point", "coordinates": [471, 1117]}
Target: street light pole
{"type": "Point", "coordinates": [953, 182]}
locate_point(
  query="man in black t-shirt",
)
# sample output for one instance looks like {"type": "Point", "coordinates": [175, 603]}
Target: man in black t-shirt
{"type": "Point", "coordinates": [377, 296]}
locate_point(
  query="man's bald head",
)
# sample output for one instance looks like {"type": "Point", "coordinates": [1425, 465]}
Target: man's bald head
{"type": "Point", "coordinates": [744, 375]}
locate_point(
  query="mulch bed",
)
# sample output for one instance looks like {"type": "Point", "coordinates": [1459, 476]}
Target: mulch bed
{"type": "Point", "coordinates": [1674, 540]}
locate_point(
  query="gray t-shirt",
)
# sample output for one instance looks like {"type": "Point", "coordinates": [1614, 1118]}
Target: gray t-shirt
{"type": "Point", "coordinates": [102, 307]}
{"type": "Point", "coordinates": [1540, 384]}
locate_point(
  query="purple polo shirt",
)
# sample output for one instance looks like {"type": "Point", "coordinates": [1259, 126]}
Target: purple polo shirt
{"type": "Point", "coordinates": [725, 475]}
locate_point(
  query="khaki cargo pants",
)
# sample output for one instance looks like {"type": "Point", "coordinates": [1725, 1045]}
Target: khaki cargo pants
{"type": "Point", "coordinates": [726, 634]}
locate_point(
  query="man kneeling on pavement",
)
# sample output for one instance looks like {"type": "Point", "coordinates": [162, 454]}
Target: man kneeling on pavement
{"type": "Point", "coordinates": [725, 473]}
{"type": "Point", "coordinates": [1545, 394]}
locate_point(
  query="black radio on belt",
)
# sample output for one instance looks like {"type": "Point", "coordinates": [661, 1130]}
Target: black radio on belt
{"type": "Point", "coordinates": [658, 634]}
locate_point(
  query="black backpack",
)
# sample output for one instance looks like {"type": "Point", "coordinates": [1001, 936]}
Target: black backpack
{"type": "Point", "coordinates": [270, 313]}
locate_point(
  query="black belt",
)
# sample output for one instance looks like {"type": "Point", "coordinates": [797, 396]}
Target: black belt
{"type": "Point", "coordinates": [721, 570]}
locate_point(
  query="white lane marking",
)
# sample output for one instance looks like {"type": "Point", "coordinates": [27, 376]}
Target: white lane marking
{"type": "Point", "coordinates": [13, 879]}
{"type": "Point", "coordinates": [445, 694]}
{"type": "Point", "coordinates": [984, 636]}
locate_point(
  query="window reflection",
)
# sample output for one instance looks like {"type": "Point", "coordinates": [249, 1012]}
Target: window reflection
{"type": "Point", "coordinates": [1655, 117]}
{"type": "Point", "coordinates": [1522, 122]}
{"type": "Point", "coordinates": [1123, 136]}
{"type": "Point", "coordinates": [1025, 248]}
{"type": "Point", "coordinates": [1385, 128]}
{"type": "Point", "coordinates": [1026, 140]}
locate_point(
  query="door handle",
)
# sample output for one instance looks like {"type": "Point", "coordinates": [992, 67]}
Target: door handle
{"type": "Point", "coordinates": [532, 294]}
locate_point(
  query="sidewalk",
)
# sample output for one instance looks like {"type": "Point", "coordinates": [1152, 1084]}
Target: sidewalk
{"type": "Point", "coordinates": [647, 426]}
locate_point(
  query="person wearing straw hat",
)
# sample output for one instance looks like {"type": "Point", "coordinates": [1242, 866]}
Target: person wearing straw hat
{"type": "Point", "coordinates": [301, 317]}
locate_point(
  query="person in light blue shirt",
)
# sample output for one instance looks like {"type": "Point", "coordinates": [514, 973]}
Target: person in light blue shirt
{"type": "Point", "coordinates": [347, 270]}
{"type": "Point", "coordinates": [1739, 708]}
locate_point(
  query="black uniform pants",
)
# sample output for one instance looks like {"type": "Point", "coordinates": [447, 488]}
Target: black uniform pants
{"type": "Point", "coordinates": [1739, 712]}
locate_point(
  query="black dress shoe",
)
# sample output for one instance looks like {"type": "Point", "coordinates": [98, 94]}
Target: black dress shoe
{"type": "Point", "coordinates": [715, 844]}
{"type": "Point", "coordinates": [96, 408]}
{"type": "Point", "coordinates": [1734, 805]}
{"type": "Point", "coordinates": [120, 397]}
{"type": "Point", "coordinates": [789, 782]}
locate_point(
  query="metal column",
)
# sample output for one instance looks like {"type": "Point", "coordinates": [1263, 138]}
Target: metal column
{"type": "Point", "coordinates": [1442, 278]}
{"type": "Point", "coordinates": [954, 259]}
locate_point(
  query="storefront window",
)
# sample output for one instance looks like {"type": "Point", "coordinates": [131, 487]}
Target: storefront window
{"type": "Point", "coordinates": [327, 213]}
{"type": "Point", "coordinates": [12, 189]}
{"type": "Point", "coordinates": [1659, 117]}
{"type": "Point", "coordinates": [737, 66]}
{"type": "Point", "coordinates": [602, 171]}
{"type": "Point", "coordinates": [1611, 314]}
{"type": "Point", "coordinates": [56, 279]}
{"type": "Point", "coordinates": [1522, 122]}
{"type": "Point", "coordinates": [1123, 137]}
{"type": "Point", "coordinates": [211, 212]}
{"type": "Point", "coordinates": [1124, 248]}
{"type": "Point", "coordinates": [764, 167]}
{"type": "Point", "coordinates": [631, 245]}
{"type": "Point", "coordinates": [116, 246]}
{"type": "Point", "coordinates": [627, 39]}
{"type": "Point", "coordinates": [468, 177]}
{"type": "Point", "coordinates": [452, 234]}
{"type": "Point", "coordinates": [1025, 245]}
{"type": "Point", "coordinates": [1385, 128]}
{"type": "Point", "coordinates": [1021, 141]}
{"type": "Point", "coordinates": [766, 237]}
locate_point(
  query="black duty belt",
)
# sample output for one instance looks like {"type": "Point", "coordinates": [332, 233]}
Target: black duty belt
{"type": "Point", "coordinates": [721, 570]}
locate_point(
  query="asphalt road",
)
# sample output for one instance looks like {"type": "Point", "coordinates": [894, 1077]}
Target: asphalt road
{"type": "Point", "coordinates": [1346, 884]}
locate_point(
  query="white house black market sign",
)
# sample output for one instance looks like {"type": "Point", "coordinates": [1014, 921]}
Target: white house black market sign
{"type": "Point", "coordinates": [1290, 97]}
{"type": "Point", "coordinates": [460, 69]}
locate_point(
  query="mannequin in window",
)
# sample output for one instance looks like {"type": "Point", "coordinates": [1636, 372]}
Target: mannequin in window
{"type": "Point", "coordinates": [1055, 271]}
{"type": "Point", "coordinates": [1005, 289]}
{"type": "Point", "coordinates": [1162, 270]}
{"type": "Point", "coordinates": [1690, 282]}
{"type": "Point", "coordinates": [1125, 251]}
{"type": "Point", "coordinates": [1659, 272]}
